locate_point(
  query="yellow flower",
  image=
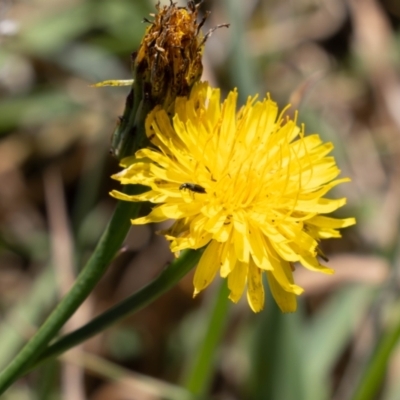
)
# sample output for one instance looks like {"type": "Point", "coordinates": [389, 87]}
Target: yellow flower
{"type": "Point", "coordinates": [248, 185]}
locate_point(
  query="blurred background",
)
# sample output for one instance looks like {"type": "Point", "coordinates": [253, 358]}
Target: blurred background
{"type": "Point", "coordinates": [338, 63]}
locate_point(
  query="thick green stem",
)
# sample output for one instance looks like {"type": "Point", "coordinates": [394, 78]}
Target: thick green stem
{"type": "Point", "coordinates": [169, 277]}
{"type": "Point", "coordinates": [105, 251]}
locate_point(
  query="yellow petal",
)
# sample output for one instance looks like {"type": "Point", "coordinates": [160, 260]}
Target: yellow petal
{"type": "Point", "coordinates": [237, 281]}
{"type": "Point", "coordinates": [321, 205]}
{"type": "Point", "coordinates": [207, 268]}
{"type": "Point", "coordinates": [164, 212]}
{"type": "Point", "coordinates": [313, 264]}
{"type": "Point", "coordinates": [258, 249]}
{"type": "Point", "coordinates": [285, 251]}
{"type": "Point", "coordinates": [255, 288]}
{"type": "Point", "coordinates": [151, 195]}
{"type": "Point", "coordinates": [286, 301]}
{"type": "Point", "coordinates": [240, 240]}
{"type": "Point", "coordinates": [298, 236]}
{"type": "Point", "coordinates": [228, 259]}
{"type": "Point", "coordinates": [334, 223]}
{"type": "Point", "coordinates": [282, 272]}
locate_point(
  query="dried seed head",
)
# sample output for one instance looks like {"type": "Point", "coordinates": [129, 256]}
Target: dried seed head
{"type": "Point", "coordinates": [169, 57]}
{"type": "Point", "coordinates": [166, 66]}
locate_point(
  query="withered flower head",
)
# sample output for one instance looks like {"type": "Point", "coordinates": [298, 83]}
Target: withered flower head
{"type": "Point", "coordinates": [169, 57]}
{"type": "Point", "coordinates": [166, 66]}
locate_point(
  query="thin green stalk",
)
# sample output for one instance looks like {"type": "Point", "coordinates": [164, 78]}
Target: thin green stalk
{"type": "Point", "coordinates": [199, 376]}
{"type": "Point", "coordinates": [372, 377]}
{"type": "Point", "coordinates": [169, 277]}
{"type": "Point", "coordinates": [105, 251]}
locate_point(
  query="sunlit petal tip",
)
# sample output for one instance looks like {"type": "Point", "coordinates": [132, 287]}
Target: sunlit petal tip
{"type": "Point", "coordinates": [348, 222]}
{"type": "Point", "coordinates": [298, 290]}
{"type": "Point", "coordinates": [141, 221]}
{"type": "Point", "coordinates": [288, 310]}
{"type": "Point", "coordinates": [121, 196]}
{"type": "Point", "coordinates": [256, 309]}
{"type": "Point", "coordinates": [326, 270]}
{"type": "Point", "coordinates": [256, 303]}
{"type": "Point", "coordinates": [117, 176]}
{"type": "Point", "coordinates": [233, 298]}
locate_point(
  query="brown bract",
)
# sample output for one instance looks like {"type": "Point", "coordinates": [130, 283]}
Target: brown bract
{"type": "Point", "coordinates": [169, 57]}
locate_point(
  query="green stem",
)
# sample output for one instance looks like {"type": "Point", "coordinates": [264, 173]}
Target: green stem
{"type": "Point", "coordinates": [105, 251]}
{"type": "Point", "coordinates": [372, 378]}
{"type": "Point", "coordinates": [165, 281]}
{"type": "Point", "coordinates": [200, 373]}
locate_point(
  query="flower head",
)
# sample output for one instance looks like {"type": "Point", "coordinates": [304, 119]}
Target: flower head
{"type": "Point", "coordinates": [169, 56]}
{"type": "Point", "coordinates": [248, 185]}
{"type": "Point", "coordinates": [167, 64]}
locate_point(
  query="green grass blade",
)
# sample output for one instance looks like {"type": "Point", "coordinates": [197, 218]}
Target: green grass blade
{"type": "Point", "coordinates": [198, 378]}
{"type": "Point", "coordinates": [374, 374]}
{"type": "Point", "coordinates": [329, 332]}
